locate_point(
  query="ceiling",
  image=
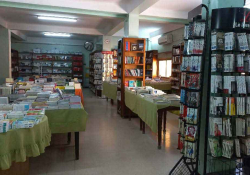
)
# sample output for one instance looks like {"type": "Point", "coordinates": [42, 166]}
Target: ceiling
{"type": "Point", "coordinates": [93, 19]}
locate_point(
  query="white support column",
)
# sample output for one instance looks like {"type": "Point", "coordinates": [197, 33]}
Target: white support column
{"type": "Point", "coordinates": [5, 56]}
{"type": "Point", "coordinates": [131, 25]}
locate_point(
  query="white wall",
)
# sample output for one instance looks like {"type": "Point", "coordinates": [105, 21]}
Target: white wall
{"type": "Point", "coordinates": [177, 39]}
{"type": "Point", "coordinates": [110, 42]}
{"type": "Point", "coordinates": [67, 45]}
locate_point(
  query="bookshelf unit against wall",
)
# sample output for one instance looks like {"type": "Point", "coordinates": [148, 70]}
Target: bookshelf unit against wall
{"type": "Point", "coordinates": [45, 64]}
{"type": "Point", "coordinates": [14, 63]}
{"type": "Point", "coordinates": [115, 64]}
{"type": "Point", "coordinates": [177, 53]}
{"type": "Point", "coordinates": [151, 65]}
{"type": "Point", "coordinates": [131, 60]}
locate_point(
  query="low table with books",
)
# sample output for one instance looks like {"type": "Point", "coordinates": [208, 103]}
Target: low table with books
{"type": "Point", "coordinates": [161, 85]}
{"type": "Point", "coordinates": [150, 108]}
{"type": "Point", "coordinates": [110, 90]}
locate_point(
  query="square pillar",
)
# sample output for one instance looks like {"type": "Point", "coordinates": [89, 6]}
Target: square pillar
{"type": "Point", "coordinates": [131, 25]}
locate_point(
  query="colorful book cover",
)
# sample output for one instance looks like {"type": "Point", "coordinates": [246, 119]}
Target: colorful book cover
{"type": "Point", "coordinates": [191, 132]}
{"type": "Point", "coordinates": [190, 150]}
{"type": "Point", "coordinates": [138, 83]}
{"type": "Point", "coordinates": [192, 115]}
{"type": "Point", "coordinates": [126, 83]}
{"type": "Point", "coordinates": [127, 47]}
{"type": "Point", "coordinates": [131, 83]}
{"type": "Point", "coordinates": [215, 147]}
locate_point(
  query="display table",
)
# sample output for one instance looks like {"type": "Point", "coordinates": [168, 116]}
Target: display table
{"type": "Point", "coordinates": [110, 90]}
{"type": "Point", "coordinates": [67, 121]}
{"type": "Point", "coordinates": [16, 145]}
{"type": "Point", "coordinates": [164, 86]}
{"type": "Point", "coordinates": [149, 112]}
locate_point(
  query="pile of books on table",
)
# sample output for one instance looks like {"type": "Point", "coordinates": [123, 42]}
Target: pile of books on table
{"type": "Point", "coordinates": [20, 119]}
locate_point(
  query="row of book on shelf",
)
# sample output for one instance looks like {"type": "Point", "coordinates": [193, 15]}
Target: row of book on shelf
{"type": "Point", "coordinates": [190, 80]}
{"type": "Point", "coordinates": [133, 83]}
{"type": "Point", "coordinates": [194, 29]}
{"type": "Point", "coordinates": [193, 47]}
{"type": "Point", "coordinates": [230, 106]}
{"type": "Point", "coordinates": [229, 147]}
{"type": "Point", "coordinates": [133, 72]}
{"type": "Point", "coordinates": [230, 84]}
{"type": "Point", "coordinates": [133, 60]}
{"type": "Point", "coordinates": [191, 63]}
{"type": "Point", "coordinates": [134, 46]}
{"type": "Point", "coordinates": [230, 41]}
{"type": "Point", "coordinates": [230, 63]}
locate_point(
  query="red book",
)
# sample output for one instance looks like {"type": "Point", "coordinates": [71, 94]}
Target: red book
{"type": "Point", "coordinates": [127, 46]}
{"type": "Point", "coordinates": [126, 83]}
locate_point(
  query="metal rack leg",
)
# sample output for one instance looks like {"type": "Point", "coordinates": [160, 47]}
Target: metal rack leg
{"type": "Point", "coordinates": [159, 129]}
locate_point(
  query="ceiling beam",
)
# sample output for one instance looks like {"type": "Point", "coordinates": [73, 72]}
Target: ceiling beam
{"type": "Point", "coordinates": [139, 6]}
{"type": "Point", "coordinates": [115, 29]}
{"type": "Point", "coordinates": [3, 23]}
{"type": "Point", "coordinates": [167, 20]}
{"type": "Point", "coordinates": [62, 9]}
{"type": "Point", "coordinates": [18, 35]}
{"type": "Point", "coordinates": [50, 28]}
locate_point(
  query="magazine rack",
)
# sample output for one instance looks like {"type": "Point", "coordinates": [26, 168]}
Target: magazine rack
{"type": "Point", "coordinates": [192, 76]}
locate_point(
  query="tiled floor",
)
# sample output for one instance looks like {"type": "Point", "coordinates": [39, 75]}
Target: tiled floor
{"type": "Point", "coordinates": [110, 146]}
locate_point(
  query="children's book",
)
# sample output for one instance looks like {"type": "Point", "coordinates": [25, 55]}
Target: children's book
{"type": "Point", "coordinates": [191, 132]}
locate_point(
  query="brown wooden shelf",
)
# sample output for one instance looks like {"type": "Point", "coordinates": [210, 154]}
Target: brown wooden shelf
{"type": "Point", "coordinates": [134, 64]}
{"type": "Point", "coordinates": [133, 76]}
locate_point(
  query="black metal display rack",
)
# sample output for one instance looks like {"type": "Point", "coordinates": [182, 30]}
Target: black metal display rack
{"type": "Point", "coordinates": [226, 151]}
{"type": "Point", "coordinates": [192, 76]}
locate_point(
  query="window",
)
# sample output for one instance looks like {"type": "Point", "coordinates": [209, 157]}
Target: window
{"type": "Point", "coordinates": [165, 68]}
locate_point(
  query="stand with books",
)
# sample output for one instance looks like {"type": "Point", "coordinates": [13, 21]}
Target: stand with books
{"type": "Point", "coordinates": [177, 53]}
{"type": "Point", "coordinates": [191, 85]}
{"type": "Point", "coordinates": [228, 95]}
{"type": "Point", "coordinates": [131, 68]}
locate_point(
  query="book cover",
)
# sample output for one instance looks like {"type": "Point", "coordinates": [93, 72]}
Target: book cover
{"type": "Point", "coordinates": [191, 132]}
{"type": "Point", "coordinates": [216, 126]}
{"type": "Point", "coordinates": [215, 147]}
{"type": "Point", "coordinates": [190, 150]}
{"type": "Point", "coordinates": [127, 46]}
{"type": "Point", "coordinates": [192, 115]}
{"type": "Point", "coordinates": [132, 83]}
{"type": "Point", "coordinates": [126, 83]}
{"type": "Point", "coordinates": [227, 148]}
{"type": "Point", "coordinates": [138, 83]}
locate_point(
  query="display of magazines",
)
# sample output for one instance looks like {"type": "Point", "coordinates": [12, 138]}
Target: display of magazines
{"type": "Point", "coordinates": [228, 119]}
{"type": "Point", "coordinates": [191, 83]}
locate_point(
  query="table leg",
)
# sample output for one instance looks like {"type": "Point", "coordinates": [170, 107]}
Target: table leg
{"type": "Point", "coordinates": [77, 145]}
{"type": "Point", "coordinates": [164, 120]}
{"type": "Point", "coordinates": [129, 114]}
{"type": "Point", "coordinates": [159, 129]}
{"type": "Point", "coordinates": [140, 124]}
{"type": "Point", "coordinates": [107, 99]}
{"type": "Point", "coordinates": [69, 138]}
{"type": "Point", "coordinates": [112, 101]}
{"type": "Point", "coordinates": [143, 127]}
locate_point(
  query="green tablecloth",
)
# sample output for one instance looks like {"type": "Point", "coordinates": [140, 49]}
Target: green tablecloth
{"type": "Point", "coordinates": [109, 90]}
{"type": "Point", "coordinates": [16, 145]}
{"type": "Point", "coordinates": [145, 109]}
{"type": "Point", "coordinates": [67, 120]}
{"type": "Point", "coordinates": [161, 86]}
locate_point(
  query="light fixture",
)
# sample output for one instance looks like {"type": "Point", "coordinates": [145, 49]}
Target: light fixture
{"type": "Point", "coordinates": [57, 18]}
{"type": "Point", "coordinates": [57, 34]}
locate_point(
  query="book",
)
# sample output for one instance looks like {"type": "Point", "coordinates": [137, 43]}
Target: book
{"type": "Point", "coordinates": [217, 41]}
{"type": "Point", "coordinates": [245, 146]}
{"type": "Point", "coordinates": [215, 126]}
{"type": "Point", "coordinates": [230, 39]}
{"type": "Point", "coordinates": [193, 99]}
{"type": "Point", "coordinates": [190, 150]}
{"type": "Point", "coordinates": [242, 42]}
{"type": "Point", "coordinates": [241, 84]}
{"type": "Point", "coordinates": [193, 81]}
{"type": "Point", "coordinates": [138, 83]}
{"type": "Point", "coordinates": [216, 63]}
{"type": "Point", "coordinates": [241, 106]}
{"type": "Point", "coordinates": [227, 127]}
{"type": "Point", "coordinates": [229, 85]}
{"type": "Point", "coordinates": [215, 147]}
{"type": "Point", "coordinates": [127, 46]}
{"type": "Point", "coordinates": [132, 83]}
{"type": "Point", "coordinates": [230, 106]}
{"type": "Point", "coordinates": [240, 62]}
{"type": "Point", "coordinates": [229, 63]}
{"type": "Point", "coordinates": [192, 115]}
{"type": "Point", "coordinates": [126, 83]}
{"type": "Point", "coordinates": [248, 126]}
{"type": "Point", "coordinates": [191, 131]}
{"type": "Point", "coordinates": [237, 147]}
{"type": "Point", "coordinates": [227, 148]}
{"type": "Point", "coordinates": [240, 127]}
{"type": "Point", "coordinates": [216, 84]}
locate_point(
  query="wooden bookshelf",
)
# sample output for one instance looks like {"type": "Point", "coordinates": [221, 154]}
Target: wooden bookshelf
{"type": "Point", "coordinates": [177, 53]}
{"type": "Point", "coordinates": [123, 52]}
{"type": "Point", "coordinates": [14, 64]}
{"type": "Point", "coordinates": [151, 65]}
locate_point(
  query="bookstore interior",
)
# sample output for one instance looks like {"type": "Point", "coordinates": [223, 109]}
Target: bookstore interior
{"type": "Point", "coordinates": [95, 87]}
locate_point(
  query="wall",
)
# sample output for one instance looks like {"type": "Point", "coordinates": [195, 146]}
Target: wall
{"type": "Point", "coordinates": [5, 54]}
{"type": "Point", "coordinates": [52, 43]}
{"type": "Point", "coordinates": [177, 39]}
{"type": "Point", "coordinates": [110, 42]}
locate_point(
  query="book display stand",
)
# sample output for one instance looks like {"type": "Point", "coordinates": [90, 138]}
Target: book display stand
{"type": "Point", "coordinates": [191, 85]}
{"type": "Point", "coordinates": [131, 68]}
{"type": "Point", "coordinates": [228, 119]}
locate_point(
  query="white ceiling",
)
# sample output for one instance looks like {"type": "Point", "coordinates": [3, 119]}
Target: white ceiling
{"type": "Point", "coordinates": [95, 17]}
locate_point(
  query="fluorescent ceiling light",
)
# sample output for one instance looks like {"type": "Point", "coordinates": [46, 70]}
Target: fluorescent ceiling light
{"type": "Point", "coordinates": [57, 34]}
{"type": "Point", "coordinates": [57, 18]}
